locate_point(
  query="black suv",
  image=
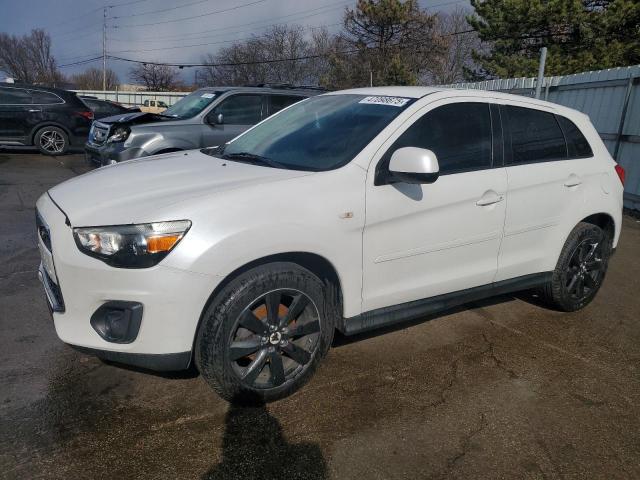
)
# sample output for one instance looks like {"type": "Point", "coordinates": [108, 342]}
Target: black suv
{"type": "Point", "coordinates": [106, 108]}
{"type": "Point", "coordinates": [49, 118]}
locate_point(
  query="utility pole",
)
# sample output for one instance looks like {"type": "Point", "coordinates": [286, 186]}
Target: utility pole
{"type": "Point", "coordinates": [104, 48]}
{"type": "Point", "coordinates": [543, 60]}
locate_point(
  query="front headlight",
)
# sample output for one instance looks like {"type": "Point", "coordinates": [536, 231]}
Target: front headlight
{"type": "Point", "coordinates": [131, 246]}
{"type": "Point", "coordinates": [120, 134]}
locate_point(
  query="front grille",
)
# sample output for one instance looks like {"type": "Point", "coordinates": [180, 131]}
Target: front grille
{"type": "Point", "coordinates": [98, 133]}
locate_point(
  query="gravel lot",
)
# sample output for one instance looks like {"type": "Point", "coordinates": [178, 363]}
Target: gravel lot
{"type": "Point", "coordinates": [498, 389]}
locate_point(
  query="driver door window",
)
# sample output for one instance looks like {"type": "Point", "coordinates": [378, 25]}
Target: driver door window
{"type": "Point", "coordinates": [459, 134]}
{"type": "Point", "coordinates": [240, 110]}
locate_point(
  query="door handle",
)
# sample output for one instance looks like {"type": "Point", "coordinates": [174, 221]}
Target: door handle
{"type": "Point", "coordinates": [572, 181]}
{"type": "Point", "coordinates": [34, 110]}
{"type": "Point", "coordinates": [489, 200]}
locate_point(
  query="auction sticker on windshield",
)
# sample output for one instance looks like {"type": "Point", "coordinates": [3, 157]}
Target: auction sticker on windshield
{"type": "Point", "coordinates": [391, 101]}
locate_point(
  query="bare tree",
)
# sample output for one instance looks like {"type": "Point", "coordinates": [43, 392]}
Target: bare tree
{"type": "Point", "coordinates": [28, 58]}
{"type": "Point", "coordinates": [455, 59]}
{"type": "Point", "coordinates": [155, 78]}
{"type": "Point", "coordinates": [259, 60]}
{"type": "Point", "coordinates": [91, 79]}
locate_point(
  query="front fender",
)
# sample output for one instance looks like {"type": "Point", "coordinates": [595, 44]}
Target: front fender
{"type": "Point", "coordinates": [241, 248]}
{"type": "Point", "coordinates": [153, 142]}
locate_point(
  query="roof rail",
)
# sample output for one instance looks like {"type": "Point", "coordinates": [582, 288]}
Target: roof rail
{"type": "Point", "coordinates": [286, 86]}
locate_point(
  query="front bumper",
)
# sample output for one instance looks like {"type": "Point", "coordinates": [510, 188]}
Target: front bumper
{"type": "Point", "coordinates": [168, 362]}
{"type": "Point", "coordinates": [172, 301]}
{"type": "Point", "coordinates": [108, 153]}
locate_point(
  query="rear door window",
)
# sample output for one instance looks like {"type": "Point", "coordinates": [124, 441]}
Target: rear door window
{"type": "Point", "coordinates": [534, 136]}
{"type": "Point", "coordinates": [14, 96]}
{"type": "Point", "coordinates": [577, 144]}
{"type": "Point", "coordinates": [45, 98]}
{"type": "Point", "coordinates": [459, 134]}
{"type": "Point", "coordinates": [278, 102]}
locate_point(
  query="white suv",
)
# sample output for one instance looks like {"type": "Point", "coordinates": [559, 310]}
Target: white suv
{"type": "Point", "coordinates": [350, 210]}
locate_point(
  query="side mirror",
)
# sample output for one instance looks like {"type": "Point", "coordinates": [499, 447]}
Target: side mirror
{"type": "Point", "coordinates": [214, 119]}
{"type": "Point", "coordinates": [414, 165]}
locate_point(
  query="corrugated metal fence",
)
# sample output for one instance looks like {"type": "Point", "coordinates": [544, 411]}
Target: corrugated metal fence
{"type": "Point", "coordinates": [133, 98]}
{"type": "Point", "coordinates": [610, 97]}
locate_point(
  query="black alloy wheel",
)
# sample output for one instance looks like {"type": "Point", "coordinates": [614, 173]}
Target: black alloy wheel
{"type": "Point", "coordinates": [585, 269]}
{"type": "Point", "coordinates": [274, 338]}
{"type": "Point", "coordinates": [264, 333]}
{"type": "Point", "coordinates": [580, 270]}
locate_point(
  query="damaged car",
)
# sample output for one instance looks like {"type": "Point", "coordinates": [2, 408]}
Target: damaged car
{"type": "Point", "coordinates": [207, 117]}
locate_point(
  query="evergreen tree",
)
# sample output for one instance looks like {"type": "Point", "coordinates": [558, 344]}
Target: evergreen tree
{"type": "Point", "coordinates": [580, 35]}
{"type": "Point", "coordinates": [390, 43]}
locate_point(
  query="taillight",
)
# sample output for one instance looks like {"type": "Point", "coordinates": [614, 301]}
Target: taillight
{"type": "Point", "coordinates": [620, 172]}
{"type": "Point", "coordinates": [88, 114]}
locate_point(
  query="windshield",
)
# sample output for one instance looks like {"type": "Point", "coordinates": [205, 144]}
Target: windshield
{"type": "Point", "coordinates": [190, 105]}
{"type": "Point", "coordinates": [320, 133]}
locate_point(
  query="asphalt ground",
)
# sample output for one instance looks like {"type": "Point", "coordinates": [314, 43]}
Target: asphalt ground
{"type": "Point", "coordinates": [499, 389]}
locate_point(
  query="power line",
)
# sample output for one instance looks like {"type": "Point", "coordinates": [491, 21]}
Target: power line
{"type": "Point", "coordinates": [192, 17]}
{"type": "Point", "coordinates": [81, 62]}
{"type": "Point", "coordinates": [219, 42]}
{"type": "Point", "coordinates": [124, 4]}
{"type": "Point", "coordinates": [76, 57]}
{"type": "Point", "coordinates": [326, 9]}
{"type": "Point", "coordinates": [279, 60]}
{"type": "Point", "coordinates": [163, 10]}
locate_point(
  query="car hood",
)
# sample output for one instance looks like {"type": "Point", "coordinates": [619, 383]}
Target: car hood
{"type": "Point", "coordinates": [136, 191]}
{"type": "Point", "coordinates": [134, 118]}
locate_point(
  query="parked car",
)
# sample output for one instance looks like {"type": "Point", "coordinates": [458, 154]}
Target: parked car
{"type": "Point", "coordinates": [351, 211]}
{"type": "Point", "coordinates": [49, 118]}
{"type": "Point", "coordinates": [106, 108]}
{"type": "Point", "coordinates": [204, 118]}
{"type": "Point", "coordinates": [153, 106]}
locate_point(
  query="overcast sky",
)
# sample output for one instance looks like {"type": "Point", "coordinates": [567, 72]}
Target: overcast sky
{"type": "Point", "coordinates": [175, 31]}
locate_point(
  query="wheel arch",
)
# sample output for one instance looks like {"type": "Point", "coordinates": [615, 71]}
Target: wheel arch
{"type": "Point", "coordinates": [317, 264]}
{"type": "Point", "coordinates": [603, 220]}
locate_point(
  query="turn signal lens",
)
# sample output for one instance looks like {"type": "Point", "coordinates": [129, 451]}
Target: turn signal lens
{"type": "Point", "coordinates": [162, 244]}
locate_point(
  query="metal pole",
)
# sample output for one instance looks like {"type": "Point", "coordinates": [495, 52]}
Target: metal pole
{"type": "Point", "coordinates": [104, 49]}
{"type": "Point", "coordinates": [623, 117]}
{"type": "Point", "coordinates": [543, 59]}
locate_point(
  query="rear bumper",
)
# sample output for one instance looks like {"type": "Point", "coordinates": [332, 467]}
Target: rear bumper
{"type": "Point", "coordinates": [101, 155]}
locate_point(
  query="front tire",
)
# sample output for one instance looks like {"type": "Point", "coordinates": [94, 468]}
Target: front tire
{"type": "Point", "coordinates": [264, 334]}
{"type": "Point", "coordinates": [580, 270]}
{"type": "Point", "coordinates": [52, 141]}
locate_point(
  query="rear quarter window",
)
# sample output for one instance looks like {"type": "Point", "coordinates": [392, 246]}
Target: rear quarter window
{"type": "Point", "coordinates": [577, 144]}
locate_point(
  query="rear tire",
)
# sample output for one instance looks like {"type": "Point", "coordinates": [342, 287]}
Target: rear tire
{"type": "Point", "coordinates": [580, 270]}
{"type": "Point", "coordinates": [52, 141]}
{"type": "Point", "coordinates": [264, 334]}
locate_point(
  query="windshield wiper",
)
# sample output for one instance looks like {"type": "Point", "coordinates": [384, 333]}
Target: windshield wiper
{"type": "Point", "coordinates": [252, 158]}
